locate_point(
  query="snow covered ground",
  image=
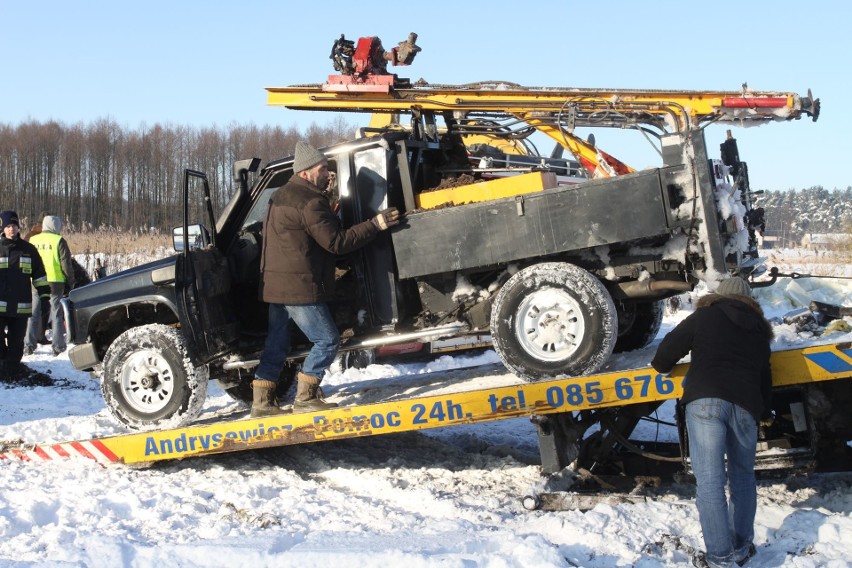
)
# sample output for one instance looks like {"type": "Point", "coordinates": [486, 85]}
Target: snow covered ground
{"type": "Point", "coordinates": [448, 497]}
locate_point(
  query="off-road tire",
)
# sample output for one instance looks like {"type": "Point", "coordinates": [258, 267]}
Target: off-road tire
{"type": "Point", "coordinates": [149, 381]}
{"type": "Point", "coordinates": [357, 359]}
{"type": "Point", "coordinates": [551, 320]}
{"type": "Point", "coordinates": [638, 324]}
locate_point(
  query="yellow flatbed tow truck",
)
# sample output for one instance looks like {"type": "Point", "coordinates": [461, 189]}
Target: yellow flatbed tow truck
{"type": "Point", "coordinates": [804, 380]}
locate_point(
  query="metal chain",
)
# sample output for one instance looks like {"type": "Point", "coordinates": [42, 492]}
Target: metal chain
{"type": "Point", "coordinates": [796, 275]}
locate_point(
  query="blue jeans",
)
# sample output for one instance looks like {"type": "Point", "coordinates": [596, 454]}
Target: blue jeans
{"type": "Point", "coordinates": [316, 323]}
{"type": "Point", "coordinates": [717, 427]}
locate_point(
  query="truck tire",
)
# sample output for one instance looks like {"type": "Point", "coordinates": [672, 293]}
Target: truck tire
{"type": "Point", "coordinates": [149, 380]}
{"type": "Point", "coordinates": [357, 359]}
{"type": "Point", "coordinates": [638, 324]}
{"type": "Point", "coordinates": [553, 319]}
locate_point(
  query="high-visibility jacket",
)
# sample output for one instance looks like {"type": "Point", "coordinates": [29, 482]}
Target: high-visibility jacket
{"type": "Point", "coordinates": [21, 268]}
{"type": "Point", "coordinates": [50, 246]}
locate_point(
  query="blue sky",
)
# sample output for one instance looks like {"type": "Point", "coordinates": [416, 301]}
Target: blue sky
{"type": "Point", "coordinates": [207, 63]}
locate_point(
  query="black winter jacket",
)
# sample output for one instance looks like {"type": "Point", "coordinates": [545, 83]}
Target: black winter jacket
{"type": "Point", "coordinates": [729, 340]}
{"type": "Point", "coordinates": [21, 268]}
{"type": "Point", "coordinates": [301, 240]}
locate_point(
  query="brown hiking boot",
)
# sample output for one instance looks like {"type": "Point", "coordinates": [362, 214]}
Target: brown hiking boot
{"type": "Point", "coordinates": [265, 403]}
{"type": "Point", "coordinates": [309, 395]}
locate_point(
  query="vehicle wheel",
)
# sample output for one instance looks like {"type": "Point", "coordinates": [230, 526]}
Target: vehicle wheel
{"type": "Point", "coordinates": [553, 319]}
{"type": "Point", "coordinates": [638, 324]}
{"type": "Point", "coordinates": [358, 359]}
{"type": "Point", "coordinates": [242, 391]}
{"type": "Point", "coordinates": [149, 381]}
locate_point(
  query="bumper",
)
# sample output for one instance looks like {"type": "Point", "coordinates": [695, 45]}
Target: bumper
{"type": "Point", "coordinates": [84, 357]}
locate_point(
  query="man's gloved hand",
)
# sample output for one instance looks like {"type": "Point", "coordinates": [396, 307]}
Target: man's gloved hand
{"type": "Point", "coordinates": [332, 182]}
{"type": "Point", "coordinates": [45, 306]}
{"type": "Point", "coordinates": [386, 218]}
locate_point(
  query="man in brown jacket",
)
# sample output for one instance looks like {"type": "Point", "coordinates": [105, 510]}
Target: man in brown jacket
{"type": "Point", "coordinates": [301, 239]}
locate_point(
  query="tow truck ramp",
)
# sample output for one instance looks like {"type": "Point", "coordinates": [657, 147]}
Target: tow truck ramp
{"type": "Point", "coordinates": [567, 395]}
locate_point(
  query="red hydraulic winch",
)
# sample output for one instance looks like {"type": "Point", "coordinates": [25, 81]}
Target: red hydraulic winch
{"type": "Point", "coordinates": [363, 67]}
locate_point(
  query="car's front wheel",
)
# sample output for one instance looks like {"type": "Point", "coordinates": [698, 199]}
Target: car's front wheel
{"type": "Point", "coordinates": [149, 380]}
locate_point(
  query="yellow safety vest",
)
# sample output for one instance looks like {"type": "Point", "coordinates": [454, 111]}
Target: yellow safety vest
{"type": "Point", "coordinates": [48, 248]}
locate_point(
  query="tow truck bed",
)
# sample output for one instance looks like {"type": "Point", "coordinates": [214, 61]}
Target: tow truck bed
{"type": "Point", "coordinates": [791, 367]}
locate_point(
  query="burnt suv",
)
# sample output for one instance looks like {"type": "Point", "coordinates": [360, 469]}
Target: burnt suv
{"type": "Point", "coordinates": [560, 276]}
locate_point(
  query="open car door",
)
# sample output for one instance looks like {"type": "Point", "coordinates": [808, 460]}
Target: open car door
{"type": "Point", "coordinates": [202, 279]}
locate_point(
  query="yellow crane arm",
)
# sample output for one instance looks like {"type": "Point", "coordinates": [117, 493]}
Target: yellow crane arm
{"type": "Point", "coordinates": [556, 112]}
{"type": "Point", "coordinates": [597, 162]}
{"type": "Point", "coordinates": [671, 110]}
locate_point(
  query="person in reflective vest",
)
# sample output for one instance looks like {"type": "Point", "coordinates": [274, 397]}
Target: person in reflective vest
{"type": "Point", "coordinates": [56, 257]}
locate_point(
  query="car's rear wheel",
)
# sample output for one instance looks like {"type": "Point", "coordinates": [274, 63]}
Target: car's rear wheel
{"type": "Point", "coordinates": [553, 319]}
{"type": "Point", "coordinates": [638, 324]}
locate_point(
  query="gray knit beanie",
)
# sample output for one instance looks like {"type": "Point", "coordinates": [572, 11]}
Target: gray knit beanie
{"type": "Point", "coordinates": [306, 157]}
{"type": "Point", "coordinates": [734, 286]}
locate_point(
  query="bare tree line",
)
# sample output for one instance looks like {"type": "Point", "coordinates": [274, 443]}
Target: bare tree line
{"type": "Point", "coordinates": [102, 175]}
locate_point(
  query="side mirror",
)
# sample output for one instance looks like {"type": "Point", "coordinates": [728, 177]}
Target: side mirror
{"type": "Point", "coordinates": [199, 237]}
{"type": "Point", "coordinates": [243, 167]}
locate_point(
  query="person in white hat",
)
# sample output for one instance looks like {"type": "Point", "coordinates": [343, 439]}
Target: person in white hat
{"type": "Point", "coordinates": [56, 257]}
{"type": "Point", "coordinates": [301, 239]}
{"type": "Point", "coordinates": [726, 393]}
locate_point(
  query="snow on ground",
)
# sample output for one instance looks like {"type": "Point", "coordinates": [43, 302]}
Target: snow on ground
{"type": "Point", "coordinates": [449, 497]}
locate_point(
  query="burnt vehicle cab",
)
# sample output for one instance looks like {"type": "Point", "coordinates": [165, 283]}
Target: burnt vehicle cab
{"type": "Point", "coordinates": [156, 333]}
{"type": "Point", "coordinates": [365, 291]}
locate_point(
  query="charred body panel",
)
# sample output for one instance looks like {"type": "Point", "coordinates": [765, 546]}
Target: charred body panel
{"type": "Point", "coordinates": [206, 309]}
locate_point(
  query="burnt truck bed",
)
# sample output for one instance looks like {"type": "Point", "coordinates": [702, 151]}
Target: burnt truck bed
{"type": "Point", "coordinates": [563, 219]}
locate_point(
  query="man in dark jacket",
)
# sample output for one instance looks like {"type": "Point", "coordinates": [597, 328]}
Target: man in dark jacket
{"type": "Point", "coordinates": [301, 240]}
{"type": "Point", "coordinates": [726, 391]}
{"type": "Point", "coordinates": [20, 269]}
